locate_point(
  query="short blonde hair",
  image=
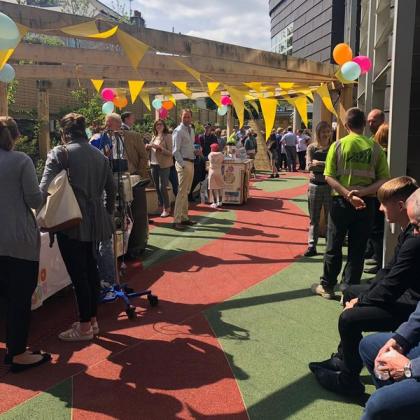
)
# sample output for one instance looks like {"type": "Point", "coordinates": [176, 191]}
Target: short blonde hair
{"type": "Point", "coordinates": [381, 136]}
{"type": "Point", "coordinates": [397, 189]}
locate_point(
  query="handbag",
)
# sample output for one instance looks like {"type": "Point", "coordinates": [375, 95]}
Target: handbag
{"type": "Point", "coordinates": [61, 211]}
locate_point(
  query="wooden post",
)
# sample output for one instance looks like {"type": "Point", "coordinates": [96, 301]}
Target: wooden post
{"type": "Point", "coordinates": [4, 109]}
{"type": "Point", "coordinates": [320, 113]}
{"type": "Point", "coordinates": [229, 121]}
{"type": "Point", "coordinates": [345, 102]}
{"type": "Point", "coordinates": [43, 118]}
{"type": "Point", "coordinates": [297, 121]}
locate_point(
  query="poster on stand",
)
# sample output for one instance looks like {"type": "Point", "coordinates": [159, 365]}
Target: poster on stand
{"type": "Point", "coordinates": [233, 189]}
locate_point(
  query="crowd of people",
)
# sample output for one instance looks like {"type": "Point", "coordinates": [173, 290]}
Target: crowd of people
{"type": "Point", "coordinates": [349, 184]}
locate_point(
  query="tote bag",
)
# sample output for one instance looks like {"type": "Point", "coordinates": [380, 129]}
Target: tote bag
{"type": "Point", "coordinates": [61, 210]}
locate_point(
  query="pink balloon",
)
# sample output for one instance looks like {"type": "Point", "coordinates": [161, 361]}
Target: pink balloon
{"type": "Point", "coordinates": [364, 62]}
{"type": "Point", "coordinates": [108, 94]}
{"type": "Point", "coordinates": [226, 100]}
{"type": "Point", "coordinates": [163, 113]}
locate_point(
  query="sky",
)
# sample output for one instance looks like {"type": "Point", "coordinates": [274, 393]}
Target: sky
{"type": "Point", "coordinates": [241, 22]}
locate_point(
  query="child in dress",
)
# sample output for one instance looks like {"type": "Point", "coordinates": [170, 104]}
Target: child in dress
{"type": "Point", "coordinates": [215, 179]}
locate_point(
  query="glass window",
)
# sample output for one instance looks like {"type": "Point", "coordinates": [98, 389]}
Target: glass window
{"type": "Point", "coordinates": [282, 42]}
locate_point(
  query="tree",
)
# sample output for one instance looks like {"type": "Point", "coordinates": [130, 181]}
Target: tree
{"type": "Point", "coordinates": [78, 7]}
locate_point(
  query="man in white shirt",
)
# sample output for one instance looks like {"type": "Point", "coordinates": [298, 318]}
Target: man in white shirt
{"type": "Point", "coordinates": [289, 140]}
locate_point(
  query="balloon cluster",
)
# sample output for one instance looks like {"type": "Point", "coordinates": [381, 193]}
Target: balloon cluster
{"type": "Point", "coordinates": [113, 98]}
{"type": "Point", "coordinates": [223, 109]}
{"type": "Point", "coordinates": [9, 39]}
{"type": "Point", "coordinates": [163, 107]}
{"type": "Point", "coordinates": [351, 68]}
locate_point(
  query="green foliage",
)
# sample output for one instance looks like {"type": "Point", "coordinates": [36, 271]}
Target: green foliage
{"type": "Point", "coordinates": [51, 41]}
{"type": "Point", "coordinates": [199, 128]}
{"type": "Point", "coordinates": [11, 92]}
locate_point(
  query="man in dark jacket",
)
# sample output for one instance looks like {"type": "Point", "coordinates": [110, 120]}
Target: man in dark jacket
{"type": "Point", "coordinates": [382, 305]}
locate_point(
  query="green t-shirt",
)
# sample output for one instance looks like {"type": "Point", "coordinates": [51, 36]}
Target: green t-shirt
{"type": "Point", "coordinates": [356, 160]}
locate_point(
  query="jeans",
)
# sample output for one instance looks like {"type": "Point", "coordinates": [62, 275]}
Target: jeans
{"type": "Point", "coordinates": [342, 219]}
{"type": "Point", "coordinates": [352, 322]}
{"type": "Point", "coordinates": [18, 280]}
{"type": "Point", "coordinates": [79, 259]}
{"type": "Point", "coordinates": [161, 179]}
{"type": "Point", "coordinates": [291, 158]}
{"type": "Point", "coordinates": [106, 262]}
{"type": "Point", "coordinates": [391, 400]}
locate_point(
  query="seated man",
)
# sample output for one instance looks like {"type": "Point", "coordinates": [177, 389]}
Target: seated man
{"type": "Point", "coordinates": [396, 356]}
{"type": "Point", "coordinates": [384, 304]}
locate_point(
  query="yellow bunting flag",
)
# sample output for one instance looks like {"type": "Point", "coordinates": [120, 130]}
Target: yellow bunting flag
{"type": "Point", "coordinates": [183, 87]}
{"type": "Point", "coordinates": [85, 29]}
{"type": "Point", "coordinates": [286, 85]}
{"type": "Point", "coordinates": [268, 107]}
{"type": "Point", "coordinates": [308, 93]}
{"type": "Point", "coordinates": [105, 34]}
{"type": "Point", "coordinates": [301, 105]}
{"type": "Point", "coordinates": [324, 94]}
{"type": "Point", "coordinates": [216, 98]}
{"type": "Point", "coordinates": [257, 86]}
{"type": "Point", "coordinates": [144, 96]}
{"type": "Point", "coordinates": [135, 87]}
{"type": "Point", "coordinates": [237, 97]}
{"type": "Point", "coordinates": [194, 73]}
{"type": "Point", "coordinates": [133, 48]}
{"type": "Point", "coordinates": [97, 84]}
{"type": "Point", "coordinates": [6, 54]}
{"type": "Point", "coordinates": [212, 86]}
{"type": "Point", "coordinates": [254, 105]}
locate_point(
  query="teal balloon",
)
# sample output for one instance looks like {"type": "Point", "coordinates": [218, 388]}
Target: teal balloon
{"type": "Point", "coordinates": [222, 110]}
{"type": "Point", "coordinates": [9, 33]}
{"type": "Point", "coordinates": [157, 103]}
{"type": "Point", "coordinates": [108, 107]}
{"type": "Point", "coordinates": [350, 70]}
{"type": "Point", "coordinates": [7, 74]}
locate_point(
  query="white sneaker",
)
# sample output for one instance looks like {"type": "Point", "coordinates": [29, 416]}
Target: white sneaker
{"type": "Point", "coordinates": [219, 204]}
{"type": "Point", "coordinates": [165, 214]}
{"type": "Point", "coordinates": [213, 205]}
{"type": "Point", "coordinates": [75, 334]}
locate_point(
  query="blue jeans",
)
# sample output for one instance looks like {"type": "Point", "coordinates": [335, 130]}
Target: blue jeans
{"type": "Point", "coordinates": [106, 262]}
{"type": "Point", "coordinates": [391, 400]}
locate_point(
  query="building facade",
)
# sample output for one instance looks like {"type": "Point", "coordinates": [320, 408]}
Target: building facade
{"type": "Point", "coordinates": [307, 28]}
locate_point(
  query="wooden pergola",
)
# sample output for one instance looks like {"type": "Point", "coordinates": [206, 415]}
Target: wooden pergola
{"type": "Point", "coordinates": [215, 61]}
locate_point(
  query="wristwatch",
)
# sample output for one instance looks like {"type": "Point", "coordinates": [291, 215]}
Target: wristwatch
{"type": "Point", "coordinates": [407, 370]}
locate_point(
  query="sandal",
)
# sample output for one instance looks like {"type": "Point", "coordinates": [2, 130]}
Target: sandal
{"type": "Point", "coordinates": [20, 367]}
{"type": "Point", "coordinates": [75, 334]}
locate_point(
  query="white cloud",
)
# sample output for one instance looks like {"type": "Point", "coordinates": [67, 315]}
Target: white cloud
{"type": "Point", "coordinates": [241, 22]}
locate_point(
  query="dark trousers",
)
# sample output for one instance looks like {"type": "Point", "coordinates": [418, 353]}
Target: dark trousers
{"type": "Point", "coordinates": [392, 400]}
{"type": "Point", "coordinates": [140, 230]}
{"type": "Point", "coordinates": [342, 219]}
{"type": "Point", "coordinates": [199, 173]}
{"type": "Point", "coordinates": [18, 280]}
{"type": "Point", "coordinates": [352, 322]}
{"type": "Point", "coordinates": [80, 261]}
{"type": "Point", "coordinates": [291, 158]}
{"type": "Point", "coordinates": [376, 239]}
{"type": "Point", "coordinates": [302, 160]}
{"type": "Point", "coordinates": [282, 161]}
{"type": "Point", "coordinates": [173, 179]}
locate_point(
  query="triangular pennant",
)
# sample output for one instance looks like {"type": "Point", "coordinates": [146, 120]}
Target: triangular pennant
{"type": "Point", "coordinates": [286, 85]}
{"type": "Point", "coordinates": [183, 87]}
{"type": "Point", "coordinates": [307, 93]}
{"type": "Point", "coordinates": [194, 73]}
{"type": "Point", "coordinates": [254, 105]}
{"type": "Point", "coordinates": [144, 96]}
{"type": "Point", "coordinates": [268, 107]}
{"type": "Point", "coordinates": [135, 87]}
{"type": "Point", "coordinates": [216, 98]}
{"type": "Point", "coordinates": [97, 83]}
{"type": "Point", "coordinates": [212, 86]}
{"type": "Point", "coordinates": [133, 48]}
{"type": "Point", "coordinates": [324, 94]}
{"type": "Point", "coordinates": [301, 106]}
{"type": "Point", "coordinates": [257, 86]}
{"type": "Point", "coordinates": [238, 103]}
{"type": "Point", "coordinates": [85, 29]}
{"type": "Point", "coordinates": [105, 34]}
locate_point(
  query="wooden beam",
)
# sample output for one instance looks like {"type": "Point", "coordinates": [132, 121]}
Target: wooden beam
{"type": "Point", "coordinates": [41, 19]}
{"type": "Point", "coordinates": [4, 109]}
{"type": "Point", "coordinates": [43, 119]}
{"type": "Point", "coordinates": [345, 102]}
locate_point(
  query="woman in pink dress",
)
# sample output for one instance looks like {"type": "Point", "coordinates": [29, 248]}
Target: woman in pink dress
{"type": "Point", "coordinates": [216, 182]}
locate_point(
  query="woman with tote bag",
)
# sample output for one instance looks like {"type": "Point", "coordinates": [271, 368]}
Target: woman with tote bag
{"type": "Point", "coordinates": [89, 175]}
{"type": "Point", "coordinates": [19, 246]}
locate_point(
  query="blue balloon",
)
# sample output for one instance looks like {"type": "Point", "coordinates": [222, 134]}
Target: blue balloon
{"type": "Point", "coordinates": [157, 103]}
{"type": "Point", "coordinates": [9, 33]}
{"type": "Point", "coordinates": [7, 74]}
{"type": "Point", "coordinates": [350, 70]}
{"type": "Point", "coordinates": [222, 110]}
{"type": "Point", "coordinates": [108, 107]}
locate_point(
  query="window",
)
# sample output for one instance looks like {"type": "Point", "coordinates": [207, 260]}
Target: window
{"type": "Point", "coordinates": [282, 42]}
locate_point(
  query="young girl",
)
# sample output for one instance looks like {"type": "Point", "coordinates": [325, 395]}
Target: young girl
{"type": "Point", "coordinates": [215, 178]}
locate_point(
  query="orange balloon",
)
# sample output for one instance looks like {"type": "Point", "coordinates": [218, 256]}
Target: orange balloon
{"type": "Point", "coordinates": [342, 53]}
{"type": "Point", "coordinates": [167, 105]}
{"type": "Point", "coordinates": [120, 102]}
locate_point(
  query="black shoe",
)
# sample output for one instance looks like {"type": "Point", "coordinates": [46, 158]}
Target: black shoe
{"type": "Point", "coordinates": [188, 223]}
{"type": "Point", "coordinates": [18, 367]}
{"type": "Point", "coordinates": [334, 363]}
{"type": "Point", "coordinates": [271, 175]}
{"type": "Point", "coordinates": [310, 252]}
{"type": "Point", "coordinates": [371, 270]}
{"type": "Point", "coordinates": [276, 176]}
{"type": "Point", "coordinates": [178, 226]}
{"type": "Point", "coordinates": [339, 382]}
